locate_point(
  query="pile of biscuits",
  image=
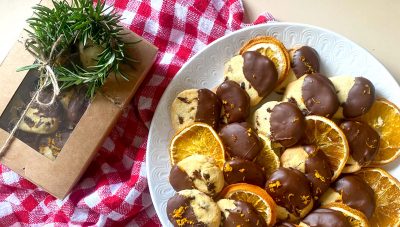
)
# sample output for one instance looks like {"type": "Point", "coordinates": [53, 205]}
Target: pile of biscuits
{"type": "Point", "coordinates": [304, 179]}
{"type": "Point", "coordinates": [46, 128]}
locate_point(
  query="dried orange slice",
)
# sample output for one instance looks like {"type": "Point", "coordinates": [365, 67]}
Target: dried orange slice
{"type": "Point", "coordinates": [198, 138]}
{"type": "Point", "coordinates": [325, 134]}
{"type": "Point", "coordinates": [274, 50]}
{"type": "Point", "coordinates": [268, 158]}
{"type": "Point", "coordinates": [387, 196]}
{"type": "Point", "coordinates": [384, 117]}
{"type": "Point", "coordinates": [254, 195]}
{"type": "Point", "coordinates": [355, 217]}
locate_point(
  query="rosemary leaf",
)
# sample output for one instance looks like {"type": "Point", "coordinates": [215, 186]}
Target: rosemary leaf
{"type": "Point", "coordinates": [55, 35]}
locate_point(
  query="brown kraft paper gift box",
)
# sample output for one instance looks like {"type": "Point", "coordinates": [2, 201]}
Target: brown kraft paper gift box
{"type": "Point", "coordinates": [59, 176]}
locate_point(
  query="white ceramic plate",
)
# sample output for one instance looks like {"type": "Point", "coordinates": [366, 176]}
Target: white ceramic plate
{"type": "Point", "coordinates": [339, 56]}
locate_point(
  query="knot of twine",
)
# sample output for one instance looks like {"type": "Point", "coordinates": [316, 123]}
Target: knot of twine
{"type": "Point", "coordinates": [49, 75]}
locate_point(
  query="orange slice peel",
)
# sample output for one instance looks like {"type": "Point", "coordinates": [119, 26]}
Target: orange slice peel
{"type": "Point", "coordinates": [325, 134]}
{"type": "Point", "coordinates": [198, 138]}
{"type": "Point", "coordinates": [356, 218]}
{"type": "Point", "coordinates": [274, 50]}
{"type": "Point", "coordinates": [384, 117]}
{"type": "Point", "coordinates": [254, 195]}
{"type": "Point", "coordinates": [387, 196]}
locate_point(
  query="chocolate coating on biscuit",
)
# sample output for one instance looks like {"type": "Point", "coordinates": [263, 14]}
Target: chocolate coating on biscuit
{"type": "Point", "coordinates": [356, 193]}
{"type": "Point", "coordinates": [243, 215]}
{"type": "Point", "coordinates": [246, 124]}
{"type": "Point", "coordinates": [179, 179]}
{"type": "Point", "coordinates": [208, 108]}
{"type": "Point", "coordinates": [287, 124]}
{"type": "Point", "coordinates": [240, 141]}
{"type": "Point", "coordinates": [238, 170]}
{"type": "Point", "coordinates": [319, 95]}
{"type": "Point", "coordinates": [305, 60]}
{"type": "Point", "coordinates": [41, 119]}
{"type": "Point", "coordinates": [363, 141]}
{"type": "Point", "coordinates": [359, 99]}
{"type": "Point", "coordinates": [326, 218]}
{"type": "Point", "coordinates": [235, 100]}
{"type": "Point", "coordinates": [317, 170]}
{"type": "Point", "coordinates": [76, 106]}
{"type": "Point", "coordinates": [260, 71]}
{"type": "Point", "coordinates": [180, 212]}
{"type": "Point", "coordinates": [290, 189]}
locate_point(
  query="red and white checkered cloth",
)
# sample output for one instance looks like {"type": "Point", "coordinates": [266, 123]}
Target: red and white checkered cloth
{"type": "Point", "coordinates": [114, 191]}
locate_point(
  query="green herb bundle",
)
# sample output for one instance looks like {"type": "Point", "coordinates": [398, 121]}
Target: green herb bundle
{"type": "Point", "coordinates": [64, 36]}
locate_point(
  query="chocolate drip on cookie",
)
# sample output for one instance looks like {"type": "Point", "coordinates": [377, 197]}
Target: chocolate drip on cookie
{"type": "Point", "coordinates": [42, 119]}
{"type": "Point", "coordinates": [326, 218]}
{"type": "Point", "coordinates": [319, 95]}
{"type": "Point", "coordinates": [239, 170]}
{"type": "Point", "coordinates": [240, 141]}
{"type": "Point", "coordinates": [363, 141]}
{"type": "Point", "coordinates": [260, 71]}
{"type": "Point", "coordinates": [305, 60]}
{"type": "Point", "coordinates": [290, 189]}
{"type": "Point", "coordinates": [244, 214]}
{"type": "Point", "coordinates": [179, 179]}
{"type": "Point", "coordinates": [76, 106]}
{"type": "Point", "coordinates": [287, 124]}
{"type": "Point", "coordinates": [317, 170]}
{"type": "Point", "coordinates": [356, 194]}
{"type": "Point", "coordinates": [181, 213]}
{"type": "Point", "coordinates": [235, 100]}
{"type": "Point", "coordinates": [209, 108]}
{"type": "Point", "coordinates": [360, 98]}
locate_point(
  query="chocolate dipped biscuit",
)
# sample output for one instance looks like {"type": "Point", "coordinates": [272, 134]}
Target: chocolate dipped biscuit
{"type": "Point", "coordinates": [303, 60]}
{"type": "Point", "coordinates": [235, 102]}
{"type": "Point", "coordinates": [363, 143]}
{"type": "Point", "coordinates": [179, 179]}
{"type": "Point", "coordinates": [239, 170]}
{"type": "Point", "coordinates": [356, 95]}
{"type": "Point", "coordinates": [195, 105]}
{"type": "Point", "coordinates": [240, 141]}
{"type": "Point", "coordinates": [74, 102]}
{"type": "Point", "coordinates": [282, 122]}
{"type": "Point", "coordinates": [239, 213]}
{"type": "Point", "coordinates": [197, 172]}
{"type": "Point", "coordinates": [314, 94]}
{"type": "Point", "coordinates": [313, 163]}
{"type": "Point", "coordinates": [323, 217]}
{"type": "Point", "coordinates": [274, 50]}
{"type": "Point", "coordinates": [193, 208]}
{"type": "Point", "coordinates": [254, 72]}
{"type": "Point", "coordinates": [40, 119]}
{"type": "Point", "coordinates": [291, 191]}
{"type": "Point", "coordinates": [352, 191]}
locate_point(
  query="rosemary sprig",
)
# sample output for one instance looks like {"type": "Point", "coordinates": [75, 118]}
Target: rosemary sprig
{"type": "Point", "coordinates": [71, 25]}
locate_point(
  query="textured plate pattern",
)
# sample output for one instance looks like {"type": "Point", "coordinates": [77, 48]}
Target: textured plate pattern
{"type": "Point", "coordinates": [339, 56]}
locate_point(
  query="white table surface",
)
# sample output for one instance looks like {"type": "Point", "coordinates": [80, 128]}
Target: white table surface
{"type": "Point", "coordinates": [373, 24]}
